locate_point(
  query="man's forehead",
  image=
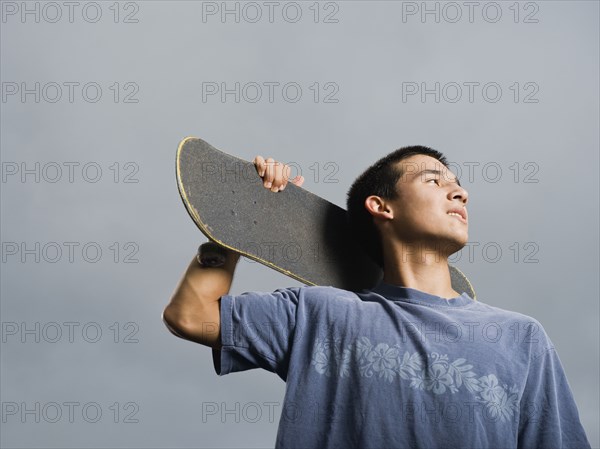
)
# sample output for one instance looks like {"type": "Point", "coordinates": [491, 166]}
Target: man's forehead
{"type": "Point", "coordinates": [414, 165]}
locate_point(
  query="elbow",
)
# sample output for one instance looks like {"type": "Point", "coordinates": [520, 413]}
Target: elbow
{"type": "Point", "coordinates": [190, 327]}
{"type": "Point", "coordinates": [172, 321]}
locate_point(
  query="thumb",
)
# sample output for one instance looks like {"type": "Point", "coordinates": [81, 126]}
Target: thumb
{"type": "Point", "coordinates": [298, 180]}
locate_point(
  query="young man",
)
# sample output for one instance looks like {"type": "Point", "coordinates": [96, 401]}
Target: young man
{"type": "Point", "coordinates": [410, 363]}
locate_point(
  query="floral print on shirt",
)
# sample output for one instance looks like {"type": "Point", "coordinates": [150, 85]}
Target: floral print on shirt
{"type": "Point", "coordinates": [438, 375]}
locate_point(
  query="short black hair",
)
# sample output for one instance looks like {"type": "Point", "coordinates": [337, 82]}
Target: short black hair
{"type": "Point", "coordinates": [379, 179]}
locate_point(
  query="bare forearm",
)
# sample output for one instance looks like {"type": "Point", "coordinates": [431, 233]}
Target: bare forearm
{"type": "Point", "coordinates": [194, 310]}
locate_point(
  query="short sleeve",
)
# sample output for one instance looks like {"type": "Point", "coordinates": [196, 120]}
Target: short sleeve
{"type": "Point", "coordinates": [548, 413]}
{"type": "Point", "coordinates": [257, 331]}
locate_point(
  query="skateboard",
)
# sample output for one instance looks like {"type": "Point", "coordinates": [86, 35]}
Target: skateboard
{"type": "Point", "coordinates": [294, 232]}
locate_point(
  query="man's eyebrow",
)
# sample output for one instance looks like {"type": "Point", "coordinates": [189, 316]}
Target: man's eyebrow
{"type": "Point", "coordinates": [434, 172]}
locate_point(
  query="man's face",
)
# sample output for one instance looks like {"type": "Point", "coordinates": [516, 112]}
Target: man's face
{"type": "Point", "coordinates": [427, 193]}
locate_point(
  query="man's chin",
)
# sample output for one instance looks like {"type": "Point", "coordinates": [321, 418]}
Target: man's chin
{"type": "Point", "coordinates": [454, 246]}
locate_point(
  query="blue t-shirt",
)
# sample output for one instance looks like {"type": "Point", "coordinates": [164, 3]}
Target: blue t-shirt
{"type": "Point", "coordinates": [394, 367]}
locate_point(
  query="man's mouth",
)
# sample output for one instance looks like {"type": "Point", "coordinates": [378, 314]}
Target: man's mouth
{"type": "Point", "coordinates": [459, 213]}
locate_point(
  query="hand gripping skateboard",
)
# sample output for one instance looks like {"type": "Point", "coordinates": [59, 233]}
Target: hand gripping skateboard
{"type": "Point", "coordinates": [294, 231]}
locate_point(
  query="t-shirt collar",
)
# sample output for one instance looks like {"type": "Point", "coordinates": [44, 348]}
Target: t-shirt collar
{"type": "Point", "coordinates": [407, 294]}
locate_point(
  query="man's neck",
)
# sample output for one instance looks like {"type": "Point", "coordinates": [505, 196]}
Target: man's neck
{"type": "Point", "coordinates": [420, 269]}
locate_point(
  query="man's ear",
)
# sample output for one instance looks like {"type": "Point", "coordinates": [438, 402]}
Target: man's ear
{"type": "Point", "coordinates": [378, 207]}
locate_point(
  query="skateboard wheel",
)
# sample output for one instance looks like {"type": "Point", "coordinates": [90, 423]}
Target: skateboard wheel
{"type": "Point", "coordinates": [211, 255]}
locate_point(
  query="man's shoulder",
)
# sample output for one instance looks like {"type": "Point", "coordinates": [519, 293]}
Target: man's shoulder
{"type": "Point", "coordinates": [521, 326]}
{"type": "Point", "coordinates": [303, 293]}
{"type": "Point", "coordinates": [327, 292]}
{"type": "Point", "coordinates": [488, 309]}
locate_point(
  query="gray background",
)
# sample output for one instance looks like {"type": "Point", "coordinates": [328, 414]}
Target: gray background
{"type": "Point", "coordinates": [166, 383]}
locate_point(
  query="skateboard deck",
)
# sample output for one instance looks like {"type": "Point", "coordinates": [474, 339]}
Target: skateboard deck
{"type": "Point", "coordinates": [294, 231]}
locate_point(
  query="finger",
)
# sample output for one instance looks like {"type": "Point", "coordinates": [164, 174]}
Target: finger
{"type": "Point", "coordinates": [278, 178]}
{"type": "Point", "coordinates": [298, 180]}
{"type": "Point", "coordinates": [287, 170]}
{"type": "Point", "coordinates": [269, 172]}
{"type": "Point", "coordinates": [259, 163]}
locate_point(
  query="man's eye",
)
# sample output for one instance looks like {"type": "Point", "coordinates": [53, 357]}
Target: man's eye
{"type": "Point", "coordinates": [433, 179]}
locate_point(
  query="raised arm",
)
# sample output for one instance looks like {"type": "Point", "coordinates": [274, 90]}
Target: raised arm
{"type": "Point", "coordinates": [194, 312]}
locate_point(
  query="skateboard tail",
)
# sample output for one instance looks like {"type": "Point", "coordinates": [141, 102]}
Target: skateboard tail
{"type": "Point", "coordinates": [207, 231]}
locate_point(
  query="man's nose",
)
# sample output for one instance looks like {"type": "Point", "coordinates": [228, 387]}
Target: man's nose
{"type": "Point", "coordinates": [461, 194]}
